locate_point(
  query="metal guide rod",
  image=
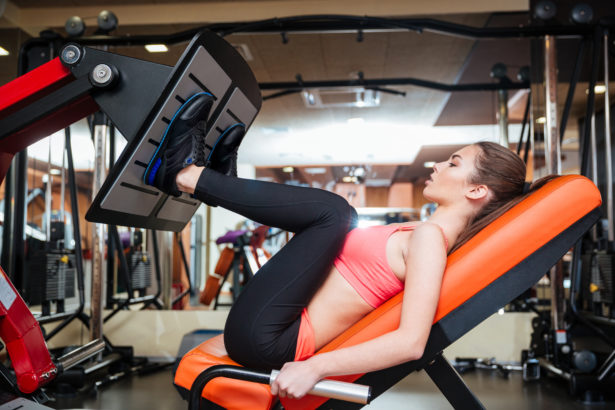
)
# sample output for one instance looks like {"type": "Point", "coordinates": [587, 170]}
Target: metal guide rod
{"type": "Point", "coordinates": [166, 255]}
{"type": "Point", "coordinates": [207, 242]}
{"type": "Point", "coordinates": [607, 139]}
{"type": "Point", "coordinates": [78, 355]}
{"type": "Point", "coordinates": [594, 149]}
{"type": "Point", "coordinates": [552, 148]}
{"type": "Point", "coordinates": [530, 138]}
{"type": "Point", "coordinates": [553, 163]}
{"type": "Point", "coordinates": [63, 189]}
{"type": "Point", "coordinates": [502, 116]}
{"type": "Point", "coordinates": [98, 236]}
{"type": "Point", "coordinates": [355, 393]}
{"type": "Point", "coordinates": [594, 156]}
{"type": "Point", "coordinates": [48, 198]}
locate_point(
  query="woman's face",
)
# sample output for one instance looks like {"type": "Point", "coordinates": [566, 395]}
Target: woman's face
{"type": "Point", "coordinates": [449, 181]}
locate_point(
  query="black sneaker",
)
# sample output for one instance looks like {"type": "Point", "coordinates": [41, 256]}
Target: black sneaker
{"type": "Point", "coordinates": [223, 156]}
{"type": "Point", "coordinates": [182, 144]}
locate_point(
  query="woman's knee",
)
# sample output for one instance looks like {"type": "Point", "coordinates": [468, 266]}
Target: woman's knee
{"type": "Point", "coordinates": [341, 213]}
{"type": "Point", "coordinates": [259, 350]}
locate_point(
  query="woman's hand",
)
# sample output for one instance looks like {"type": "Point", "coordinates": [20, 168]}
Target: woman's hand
{"type": "Point", "coordinates": [295, 380]}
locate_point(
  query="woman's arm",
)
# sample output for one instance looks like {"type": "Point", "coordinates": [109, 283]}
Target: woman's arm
{"type": "Point", "coordinates": [425, 265]}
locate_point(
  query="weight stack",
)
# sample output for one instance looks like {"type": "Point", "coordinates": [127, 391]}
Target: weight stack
{"type": "Point", "coordinates": [141, 270]}
{"type": "Point", "coordinates": [50, 276]}
{"type": "Point", "coordinates": [603, 278]}
{"type": "Point", "coordinates": [60, 276]}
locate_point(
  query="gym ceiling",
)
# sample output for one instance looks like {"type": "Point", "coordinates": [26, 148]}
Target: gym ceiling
{"type": "Point", "coordinates": [395, 138]}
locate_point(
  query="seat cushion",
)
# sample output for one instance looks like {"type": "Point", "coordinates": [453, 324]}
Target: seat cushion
{"type": "Point", "coordinates": [228, 393]}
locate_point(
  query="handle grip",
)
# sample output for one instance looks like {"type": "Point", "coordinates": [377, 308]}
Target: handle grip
{"type": "Point", "coordinates": [356, 393]}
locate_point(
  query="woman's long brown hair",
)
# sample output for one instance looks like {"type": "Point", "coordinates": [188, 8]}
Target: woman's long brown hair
{"type": "Point", "coordinates": [504, 174]}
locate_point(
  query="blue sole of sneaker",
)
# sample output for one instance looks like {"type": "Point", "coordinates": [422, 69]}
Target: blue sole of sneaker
{"type": "Point", "coordinates": [155, 161]}
{"type": "Point", "coordinates": [221, 137]}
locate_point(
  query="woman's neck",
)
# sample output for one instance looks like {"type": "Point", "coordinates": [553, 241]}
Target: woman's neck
{"type": "Point", "coordinates": [452, 220]}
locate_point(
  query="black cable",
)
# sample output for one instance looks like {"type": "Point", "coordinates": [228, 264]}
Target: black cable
{"type": "Point", "coordinates": [571, 88]}
{"type": "Point", "coordinates": [525, 119]}
{"type": "Point", "coordinates": [526, 152]}
{"type": "Point", "coordinates": [281, 94]}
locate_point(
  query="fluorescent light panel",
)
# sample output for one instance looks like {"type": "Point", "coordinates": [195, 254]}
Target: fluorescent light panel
{"type": "Point", "coordinates": [598, 89]}
{"type": "Point", "coordinates": [156, 48]}
{"type": "Point", "coordinates": [316, 170]}
{"type": "Point", "coordinates": [3, 51]}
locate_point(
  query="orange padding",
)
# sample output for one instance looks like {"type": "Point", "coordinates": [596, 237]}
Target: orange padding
{"type": "Point", "coordinates": [491, 253]}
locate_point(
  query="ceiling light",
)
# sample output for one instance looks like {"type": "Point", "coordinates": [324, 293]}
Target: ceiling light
{"type": "Point", "coordinates": [349, 178]}
{"type": "Point", "coordinates": [316, 170]}
{"type": "Point", "coordinates": [55, 171]}
{"type": "Point", "coordinates": [598, 89]}
{"type": "Point", "coordinates": [288, 169]}
{"type": "Point", "coordinates": [357, 121]}
{"type": "Point", "coordinates": [358, 172]}
{"type": "Point", "coordinates": [3, 52]}
{"type": "Point", "coordinates": [156, 48]}
{"type": "Point", "coordinates": [541, 120]}
{"type": "Point", "coordinates": [429, 164]}
{"type": "Point", "coordinates": [309, 98]}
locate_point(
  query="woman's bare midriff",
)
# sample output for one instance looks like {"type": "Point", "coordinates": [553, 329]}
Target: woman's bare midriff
{"type": "Point", "coordinates": [336, 305]}
{"type": "Point", "coordinates": [334, 308]}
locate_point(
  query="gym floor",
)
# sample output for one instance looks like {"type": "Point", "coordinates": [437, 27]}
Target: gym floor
{"type": "Point", "coordinates": [155, 391]}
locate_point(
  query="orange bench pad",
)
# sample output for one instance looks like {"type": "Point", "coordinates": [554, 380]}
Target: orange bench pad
{"type": "Point", "coordinates": [229, 393]}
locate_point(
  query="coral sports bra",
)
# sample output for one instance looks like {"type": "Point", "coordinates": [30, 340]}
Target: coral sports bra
{"type": "Point", "coordinates": [363, 263]}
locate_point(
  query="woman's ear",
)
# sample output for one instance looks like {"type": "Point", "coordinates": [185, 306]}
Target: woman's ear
{"type": "Point", "coordinates": [477, 192]}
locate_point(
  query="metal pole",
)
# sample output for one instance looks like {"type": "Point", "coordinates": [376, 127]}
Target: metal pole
{"type": "Point", "coordinates": [594, 157]}
{"type": "Point", "coordinates": [552, 155]}
{"type": "Point", "coordinates": [502, 116]}
{"type": "Point", "coordinates": [595, 62]}
{"type": "Point", "coordinates": [529, 143]}
{"type": "Point", "coordinates": [207, 241]}
{"type": "Point", "coordinates": [48, 193]}
{"type": "Point", "coordinates": [552, 147]}
{"type": "Point", "coordinates": [594, 149]}
{"type": "Point", "coordinates": [80, 354]}
{"type": "Point", "coordinates": [62, 187]}
{"type": "Point", "coordinates": [607, 140]}
{"type": "Point", "coordinates": [98, 235]}
{"type": "Point", "coordinates": [165, 240]}
{"type": "Point", "coordinates": [74, 207]}
{"type": "Point", "coordinates": [7, 223]}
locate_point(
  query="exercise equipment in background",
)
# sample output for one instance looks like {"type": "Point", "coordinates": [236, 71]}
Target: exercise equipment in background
{"type": "Point", "coordinates": [239, 261]}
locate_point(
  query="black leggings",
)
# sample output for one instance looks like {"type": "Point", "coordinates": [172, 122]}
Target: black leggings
{"type": "Point", "coordinates": [263, 324]}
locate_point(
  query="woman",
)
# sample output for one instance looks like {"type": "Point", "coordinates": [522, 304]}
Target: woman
{"type": "Point", "coordinates": [329, 275]}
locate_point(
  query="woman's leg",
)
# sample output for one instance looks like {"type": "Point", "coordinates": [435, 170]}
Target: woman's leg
{"type": "Point", "coordinates": [262, 326]}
